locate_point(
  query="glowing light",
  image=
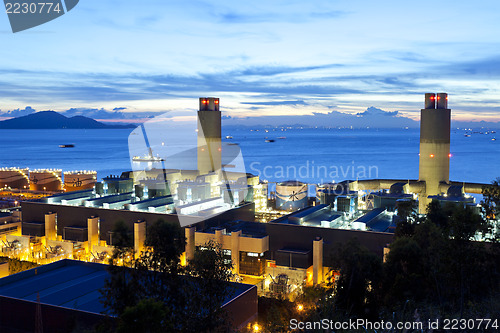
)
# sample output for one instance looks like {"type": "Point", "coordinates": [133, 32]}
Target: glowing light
{"type": "Point", "coordinates": [300, 307]}
{"type": "Point", "coordinates": [220, 149]}
{"type": "Point", "coordinates": [431, 155]}
{"type": "Point", "coordinates": [449, 155]}
{"type": "Point", "coordinates": [256, 328]}
{"type": "Point", "coordinates": [216, 101]}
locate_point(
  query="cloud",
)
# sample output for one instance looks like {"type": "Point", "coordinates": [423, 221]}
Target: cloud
{"type": "Point", "coordinates": [372, 117]}
{"type": "Point", "coordinates": [298, 102]}
{"type": "Point", "coordinates": [94, 113]}
{"type": "Point", "coordinates": [273, 85]}
{"type": "Point", "coordinates": [373, 111]}
{"type": "Point", "coordinates": [18, 112]}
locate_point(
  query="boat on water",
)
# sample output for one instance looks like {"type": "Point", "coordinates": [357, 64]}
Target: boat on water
{"type": "Point", "coordinates": [467, 135]}
{"type": "Point", "coordinates": [282, 137]}
{"type": "Point", "coordinates": [229, 137]}
{"type": "Point", "coordinates": [149, 157]}
{"type": "Point", "coordinates": [494, 139]}
{"type": "Point", "coordinates": [67, 146]}
{"type": "Point", "coordinates": [269, 140]}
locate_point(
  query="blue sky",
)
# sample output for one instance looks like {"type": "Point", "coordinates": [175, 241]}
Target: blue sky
{"type": "Point", "coordinates": [259, 57]}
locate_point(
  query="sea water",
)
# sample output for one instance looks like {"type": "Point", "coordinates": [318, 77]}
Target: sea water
{"type": "Point", "coordinates": [313, 155]}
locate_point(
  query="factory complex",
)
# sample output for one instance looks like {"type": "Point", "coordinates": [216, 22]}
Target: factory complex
{"type": "Point", "coordinates": [278, 244]}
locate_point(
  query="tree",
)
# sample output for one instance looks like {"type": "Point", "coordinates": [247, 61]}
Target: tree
{"type": "Point", "coordinates": [406, 219]}
{"type": "Point", "coordinates": [123, 243]}
{"type": "Point", "coordinates": [146, 317]}
{"type": "Point", "coordinates": [360, 273]}
{"type": "Point", "coordinates": [441, 265]}
{"type": "Point", "coordinates": [176, 298]}
{"type": "Point", "coordinates": [212, 273]}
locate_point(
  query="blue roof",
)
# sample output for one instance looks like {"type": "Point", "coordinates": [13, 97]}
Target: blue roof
{"type": "Point", "coordinates": [66, 283]}
{"type": "Point", "coordinates": [69, 283]}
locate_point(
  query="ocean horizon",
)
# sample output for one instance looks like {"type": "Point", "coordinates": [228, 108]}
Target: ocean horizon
{"type": "Point", "coordinates": [312, 155]}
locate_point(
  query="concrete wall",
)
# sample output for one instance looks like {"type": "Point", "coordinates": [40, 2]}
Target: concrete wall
{"type": "Point", "coordinates": [301, 237]}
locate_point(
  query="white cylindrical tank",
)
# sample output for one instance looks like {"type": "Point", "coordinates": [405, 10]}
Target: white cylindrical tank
{"type": "Point", "coordinates": [291, 195]}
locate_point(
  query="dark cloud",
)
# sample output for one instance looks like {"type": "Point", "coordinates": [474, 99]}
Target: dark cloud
{"type": "Point", "coordinates": [481, 68]}
{"type": "Point", "coordinates": [280, 84]}
{"type": "Point", "coordinates": [298, 102]}
{"type": "Point", "coordinates": [228, 16]}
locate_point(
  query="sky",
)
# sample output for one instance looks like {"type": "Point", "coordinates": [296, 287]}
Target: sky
{"type": "Point", "coordinates": [262, 58]}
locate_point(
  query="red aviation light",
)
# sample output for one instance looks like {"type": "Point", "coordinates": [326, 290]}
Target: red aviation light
{"type": "Point", "coordinates": [449, 155]}
{"type": "Point", "coordinates": [431, 155]}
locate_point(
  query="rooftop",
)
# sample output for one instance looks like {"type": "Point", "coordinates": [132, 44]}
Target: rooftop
{"type": "Point", "coordinates": [70, 284]}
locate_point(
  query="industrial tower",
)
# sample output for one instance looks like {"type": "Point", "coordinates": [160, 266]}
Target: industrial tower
{"type": "Point", "coordinates": [434, 164]}
{"type": "Point", "coordinates": [209, 135]}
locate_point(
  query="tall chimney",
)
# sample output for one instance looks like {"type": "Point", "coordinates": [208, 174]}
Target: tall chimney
{"type": "Point", "coordinates": [434, 163]}
{"type": "Point", "coordinates": [209, 135]}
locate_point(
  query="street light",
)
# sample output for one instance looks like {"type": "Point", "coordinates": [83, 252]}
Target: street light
{"type": "Point", "coordinates": [300, 307]}
{"type": "Point", "coordinates": [256, 328]}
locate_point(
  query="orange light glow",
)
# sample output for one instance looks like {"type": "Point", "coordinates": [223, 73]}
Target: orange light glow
{"type": "Point", "coordinates": [449, 155]}
{"type": "Point", "coordinates": [216, 102]}
{"type": "Point", "coordinates": [431, 155]}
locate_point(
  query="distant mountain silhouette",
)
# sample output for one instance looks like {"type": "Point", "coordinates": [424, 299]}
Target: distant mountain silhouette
{"type": "Point", "coordinates": [54, 120]}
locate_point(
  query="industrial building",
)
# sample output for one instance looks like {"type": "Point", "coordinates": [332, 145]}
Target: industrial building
{"type": "Point", "coordinates": [67, 296]}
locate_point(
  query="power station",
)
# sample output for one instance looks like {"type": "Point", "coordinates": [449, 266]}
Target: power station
{"type": "Point", "coordinates": [215, 204]}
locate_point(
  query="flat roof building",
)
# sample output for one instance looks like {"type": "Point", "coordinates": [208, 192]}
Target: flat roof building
{"type": "Point", "coordinates": [68, 294]}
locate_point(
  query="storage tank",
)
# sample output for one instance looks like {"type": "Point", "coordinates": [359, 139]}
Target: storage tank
{"type": "Point", "coordinates": [291, 195]}
{"type": "Point", "coordinates": [46, 180]}
{"type": "Point", "coordinates": [79, 180]}
{"type": "Point", "coordinates": [14, 178]}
